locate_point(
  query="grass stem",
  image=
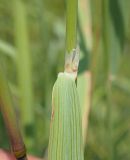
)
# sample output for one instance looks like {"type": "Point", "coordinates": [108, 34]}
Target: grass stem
{"type": "Point", "coordinates": [7, 109]}
{"type": "Point", "coordinates": [71, 25]}
{"type": "Point", "coordinates": [72, 52]}
{"type": "Point", "coordinates": [24, 71]}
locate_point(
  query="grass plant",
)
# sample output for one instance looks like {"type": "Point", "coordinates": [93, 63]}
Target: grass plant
{"type": "Point", "coordinates": [65, 140]}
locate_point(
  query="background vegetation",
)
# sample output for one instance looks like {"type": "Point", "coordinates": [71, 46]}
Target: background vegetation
{"type": "Point", "coordinates": [32, 46]}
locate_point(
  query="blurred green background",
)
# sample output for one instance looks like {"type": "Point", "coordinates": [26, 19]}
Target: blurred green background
{"type": "Point", "coordinates": [32, 47]}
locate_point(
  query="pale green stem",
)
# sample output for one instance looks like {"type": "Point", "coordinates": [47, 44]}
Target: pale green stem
{"type": "Point", "coordinates": [72, 52]}
{"type": "Point", "coordinates": [71, 25]}
{"type": "Point", "coordinates": [24, 69]}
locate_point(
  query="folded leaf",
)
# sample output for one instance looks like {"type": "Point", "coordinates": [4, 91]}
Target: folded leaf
{"type": "Point", "coordinates": [65, 141]}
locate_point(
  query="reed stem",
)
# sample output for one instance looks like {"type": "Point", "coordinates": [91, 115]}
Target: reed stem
{"type": "Point", "coordinates": [24, 71]}
{"type": "Point", "coordinates": [7, 109]}
{"type": "Point", "coordinates": [72, 52]}
{"type": "Point", "coordinates": [71, 25]}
